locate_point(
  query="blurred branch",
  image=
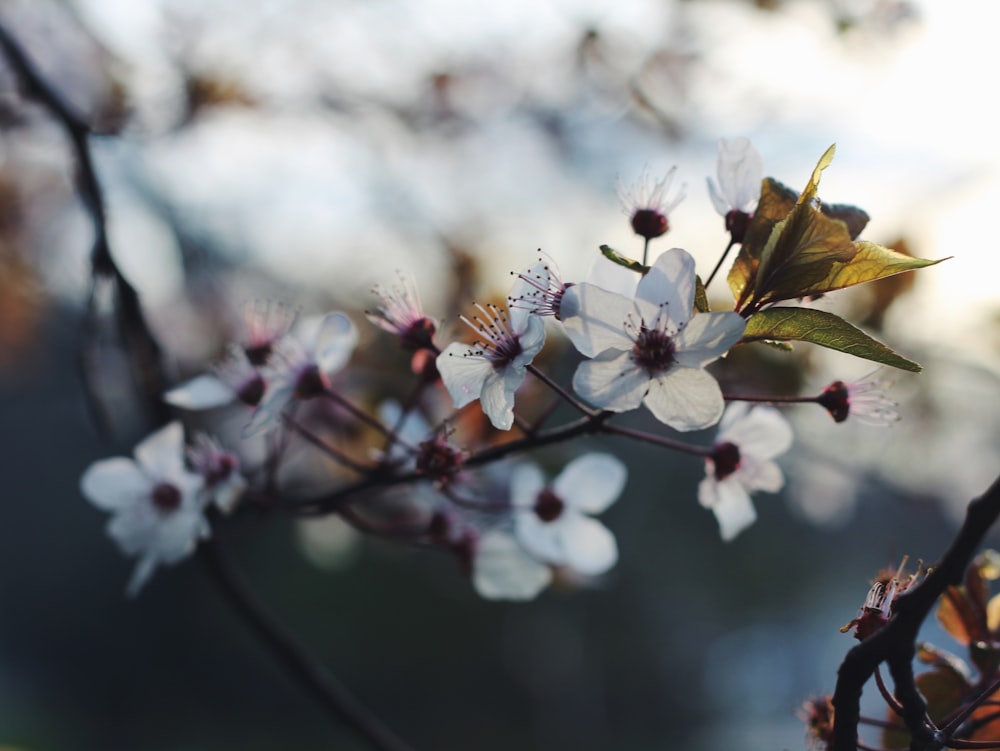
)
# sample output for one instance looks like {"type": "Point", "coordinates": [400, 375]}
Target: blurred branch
{"type": "Point", "coordinates": [134, 335]}
{"type": "Point", "coordinates": [895, 643]}
{"type": "Point", "coordinates": [332, 694]}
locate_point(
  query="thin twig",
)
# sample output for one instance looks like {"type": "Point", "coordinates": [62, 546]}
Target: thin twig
{"type": "Point", "coordinates": [332, 694]}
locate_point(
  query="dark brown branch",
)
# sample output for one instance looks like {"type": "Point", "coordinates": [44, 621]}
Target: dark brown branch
{"type": "Point", "coordinates": [329, 692]}
{"type": "Point", "coordinates": [133, 332]}
{"type": "Point", "coordinates": [895, 642]}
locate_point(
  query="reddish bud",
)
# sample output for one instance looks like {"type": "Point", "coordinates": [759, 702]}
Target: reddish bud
{"type": "Point", "coordinates": [649, 223]}
{"type": "Point", "coordinates": [836, 400]}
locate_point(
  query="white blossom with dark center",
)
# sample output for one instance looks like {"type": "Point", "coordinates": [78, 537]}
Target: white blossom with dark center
{"type": "Point", "coordinates": [492, 368]}
{"type": "Point", "coordinates": [651, 349]}
{"type": "Point", "coordinates": [742, 462]}
{"type": "Point", "coordinates": [157, 505]}
{"type": "Point", "coordinates": [555, 523]}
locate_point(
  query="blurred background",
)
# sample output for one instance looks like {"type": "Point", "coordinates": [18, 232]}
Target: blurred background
{"type": "Point", "coordinates": [305, 149]}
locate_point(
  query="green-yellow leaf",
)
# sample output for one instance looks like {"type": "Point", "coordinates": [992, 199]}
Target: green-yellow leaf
{"type": "Point", "coordinates": [822, 328]}
{"type": "Point", "coordinates": [775, 202]}
{"type": "Point", "coordinates": [799, 248]}
{"type": "Point", "coordinates": [615, 257]}
{"type": "Point", "coordinates": [870, 262]}
{"type": "Point", "coordinates": [801, 252]}
{"type": "Point", "coordinates": [813, 187]}
{"type": "Point", "coordinates": [700, 296]}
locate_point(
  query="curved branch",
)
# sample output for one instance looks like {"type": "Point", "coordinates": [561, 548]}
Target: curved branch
{"type": "Point", "coordinates": [328, 691]}
{"type": "Point", "coordinates": [895, 642]}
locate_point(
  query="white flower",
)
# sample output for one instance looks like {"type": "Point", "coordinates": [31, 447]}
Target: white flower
{"type": "Point", "coordinates": [156, 503]}
{"type": "Point", "coordinates": [651, 350]}
{"type": "Point", "coordinates": [220, 470]}
{"type": "Point", "coordinates": [493, 368]}
{"type": "Point", "coordinates": [554, 523]}
{"type": "Point", "coordinates": [740, 170]}
{"type": "Point", "coordinates": [301, 367]}
{"type": "Point", "coordinates": [235, 377]}
{"type": "Point", "coordinates": [742, 462]}
{"type": "Point", "coordinates": [503, 570]}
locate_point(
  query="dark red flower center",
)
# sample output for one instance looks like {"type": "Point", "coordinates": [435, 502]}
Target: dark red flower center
{"type": "Point", "coordinates": [654, 350]}
{"type": "Point", "coordinates": [166, 497]}
{"type": "Point", "coordinates": [418, 335]}
{"type": "Point", "coordinates": [549, 506]}
{"type": "Point", "coordinates": [309, 383]}
{"type": "Point", "coordinates": [258, 354]}
{"type": "Point", "coordinates": [252, 391]}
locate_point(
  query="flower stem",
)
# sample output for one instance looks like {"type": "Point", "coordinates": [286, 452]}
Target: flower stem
{"type": "Point", "coordinates": [570, 399]}
{"type": "Point", "coordinates": [770, 399]}
{"type": "Point", "coordinates": [718, 265]}
{"type": "Point", "coordinates": [656, 440]}
{"type": "Point", "coordinates": [326, 689]}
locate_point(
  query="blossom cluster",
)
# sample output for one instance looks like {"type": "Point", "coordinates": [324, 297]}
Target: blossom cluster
{"type": "Point", "coordinates": [643, 336]}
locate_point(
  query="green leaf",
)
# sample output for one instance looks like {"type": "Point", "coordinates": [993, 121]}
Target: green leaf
{"type": "Point", "coordinates": [870, 262]}
{"type": "Point", "coordinates": [801, 252]}
{"type": "Point", "coordinates": [824, 329]}
{"type": "Point", "coordinates": [700, 296]}
{"type": "Point", "coordinates": [776, 201]}
{"type": "Point", "coordinates": [615, 257]}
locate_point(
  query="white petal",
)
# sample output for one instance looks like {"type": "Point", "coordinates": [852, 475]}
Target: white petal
{"type": "Point", "coordinates": [611, 381]}
{"type": "Point", "coordinates": [463, 372]}
{"type": "Point", "coordinates": [134, 527]}
{"type": "Point", "coordinates": [143, 571]}
{"type": "Point", "coordinates": [113, 484]}
{"type": "Point", "coordinates": [592, 482]}
{"type": "Point", "coordinates": [178, 533]}
{"type": "Point", "coordinates": [762, 432]}
{"type": "Point", "coordinates": [608, 275]}
{"type": "Point", "coordinates": [670, 280]}
{"type": "Point", "coordinates": [740, 171]}
{"type": "Point", "coordinates": [526, 482]}
{"type": "Point", "coordinates": [278, 394]}
{"type": "Point", "coordinates": [226, 494]}
{"type": "Point", "coordinates": [735, 412]}
{"type": "Point", "coordinates": [706, 337]}
{"type": "Point", "coordinates": [685, 399]}
{"type": "Point", "coordinates": [202, 392]}
{"type": "Point", "coordinates": [531, 336]}
{"type": "Point", "coordinates": [504, 571]}
{"type": "Point", "coordinates": [760, 475]}
{"type": "Point", "coordinates": [594, 319]}
{"type": "Point", "coordinates": [543, 539]}
{"type": "Point", "coordinates": [497, 397]}
{"type": "Point", "coordinates": [590, 548]}
{"type": "Point", "coordinates": [719, 201]}
{"type": "Point", "coordinates": [732, 506]}
{"type": "Point", "coordinates": [161, 454]}
{"type": "Point", "coordinates": [335, 342]}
